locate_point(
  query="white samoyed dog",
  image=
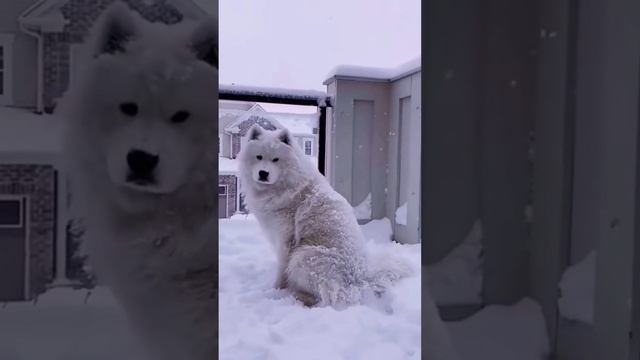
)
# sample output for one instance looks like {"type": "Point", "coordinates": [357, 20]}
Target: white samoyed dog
{"type": "Point", "coordinates": [319, 245]}
{"type": "Point", "coordinates": [140, 153]}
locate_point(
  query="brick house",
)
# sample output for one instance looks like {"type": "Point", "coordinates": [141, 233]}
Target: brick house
{"type": "Point", "coordinates": [236, 118]}
{"type": "Point", "coordinates": [38, 47]}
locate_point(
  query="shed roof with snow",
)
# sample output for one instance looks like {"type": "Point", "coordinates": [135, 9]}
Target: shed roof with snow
{"type": "Point", "coordinates": [350, 72]}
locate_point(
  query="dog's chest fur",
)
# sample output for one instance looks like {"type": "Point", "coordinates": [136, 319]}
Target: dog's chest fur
{"type": "Point", "coordinates": [165, 278]}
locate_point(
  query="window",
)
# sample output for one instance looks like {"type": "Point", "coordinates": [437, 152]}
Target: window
{"type": "Point", "coordinates": [219, 145]}
{"type": "Point", "coordinates": [308, 147]}
{"type": "Point", "coordinates": [222, 189]}
{"type": "Point", "coordinates": [6, 72]}
{"type": "Point", "coordinates": [11, 213]}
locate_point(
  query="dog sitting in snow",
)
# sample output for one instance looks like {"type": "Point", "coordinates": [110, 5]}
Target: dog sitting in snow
{"type": "Point", "coordinates": [140, 150]}
{"type": "Point", "coordinates": [318, 243]}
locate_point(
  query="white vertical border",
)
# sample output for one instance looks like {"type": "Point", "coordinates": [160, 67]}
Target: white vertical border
{"type": "Point", "coordinates": [62, 218]}
{"type": "Point", "coordinates": [237, 194]}
{"type": "Point", "coordinates": [27, 246]}
{"type": "Point", "coordinates": [6, 42]}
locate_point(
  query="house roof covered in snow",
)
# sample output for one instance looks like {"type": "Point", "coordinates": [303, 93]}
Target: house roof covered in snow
{"type": "Point", "coordinates": [47, 14]}
{"type": "Point", "coordinates": [256, 110]}
{"type": "Point", "coordinates": [298, 124]}
{"type": "Point", "coordinates": [351, 72]}
{"type": "Point", "coordinates": [27, 137]}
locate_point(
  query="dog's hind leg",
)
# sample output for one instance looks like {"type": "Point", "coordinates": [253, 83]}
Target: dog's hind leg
{"type": "Point", "coordinates": [320, 272]}
{"type": "Point", "coordinates": [304, 297]}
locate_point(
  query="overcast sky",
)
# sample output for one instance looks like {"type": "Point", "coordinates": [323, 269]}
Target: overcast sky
{"type": "Point", "coordinates": [295, 43]}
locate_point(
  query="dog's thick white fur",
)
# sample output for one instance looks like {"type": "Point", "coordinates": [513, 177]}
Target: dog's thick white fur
{"type": "Point", "coordinates": [319, 245]}
{"type": "Point", "coordinates": [140, 154]}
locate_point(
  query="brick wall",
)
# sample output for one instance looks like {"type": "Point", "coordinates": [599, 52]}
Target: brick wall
{"type": "Point", "coordinates": [38, 183]}
{"type": "Point", "coordinates": [235, 145]}
{"type": "Point", "coordinates": [232, 191]}
{"type": "Point", "coordinates": [81, 15]}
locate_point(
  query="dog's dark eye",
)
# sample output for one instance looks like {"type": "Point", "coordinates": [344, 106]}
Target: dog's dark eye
{"type": "Point", "coordinates": [129, 109]}
{"type": "Point", "coordinates": [180, 117]}
{"type": "Point", "coordinates": [275, 160]}
{"type": "Point", "coordinates": [259, 157]}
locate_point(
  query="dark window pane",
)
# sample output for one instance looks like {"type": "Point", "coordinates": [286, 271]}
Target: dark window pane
{"type": "Point", "coordinates": [307, 147]}
{"type": "Point", "coordinates": [222, 190]}
{"type": "Point", "coordinates": [10, 212]}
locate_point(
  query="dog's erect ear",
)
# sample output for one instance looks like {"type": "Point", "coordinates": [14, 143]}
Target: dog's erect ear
{"type": "Point", "coordinates": [204, 42]}
{"type": "Point", "coordinates": [255, 132]}
{"type": "Point", "coordinates": [115, 29]}
{"type": "Point", "coordinates": [285, 136]}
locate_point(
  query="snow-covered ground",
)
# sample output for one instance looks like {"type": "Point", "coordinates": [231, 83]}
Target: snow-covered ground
{"type": "Point", "coordinates": [259, 322]}
{"type": "Point", "coordinates": [457, 278]}
{"type": "Point", "coordinates": [66, 325]}
{"type": "Point", "coordinates": [577, 290]}
{"type": "Point", "coordinates": [516, 332]}
{"type": "Point", "coordinates": [363, 210]}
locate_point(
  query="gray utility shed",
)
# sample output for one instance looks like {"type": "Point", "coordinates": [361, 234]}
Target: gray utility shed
{"type": "Point", "coordinates": [567, 70]}
{"type": "Point", "coordinates": [373, 142]}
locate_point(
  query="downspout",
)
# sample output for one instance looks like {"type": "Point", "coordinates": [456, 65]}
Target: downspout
{"type": "Point", "coordinates": [40, 66]}
{"type": "Point", "coordinates": [60, 277]}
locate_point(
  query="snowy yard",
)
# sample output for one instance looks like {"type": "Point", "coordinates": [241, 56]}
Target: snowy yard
{"type": "Point", "coordinates": [259, 322]}
{"type": "Point", "coordinates": [62, 327]}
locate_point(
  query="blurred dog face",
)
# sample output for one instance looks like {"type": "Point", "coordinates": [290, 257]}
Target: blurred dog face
{"type": "Point", "coordinates": [146, 100]}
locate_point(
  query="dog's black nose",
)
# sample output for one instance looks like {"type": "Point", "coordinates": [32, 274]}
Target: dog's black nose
{"type": "Point", "coordinates": [141, 162]}
{"type": "Point", "coordinates": [263, 175]}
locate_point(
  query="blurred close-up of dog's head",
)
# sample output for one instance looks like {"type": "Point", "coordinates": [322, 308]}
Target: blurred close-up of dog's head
{"type": "Point", "coordinates": [142, 114]}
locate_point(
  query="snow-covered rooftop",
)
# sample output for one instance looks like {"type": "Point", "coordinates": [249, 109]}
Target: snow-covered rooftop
{"type": "Point", "coordinates": [297, 123]}
{"type": "Point", "coordinates": [374, 73]}
{"type": "Point", "coordinates": [27, 136]}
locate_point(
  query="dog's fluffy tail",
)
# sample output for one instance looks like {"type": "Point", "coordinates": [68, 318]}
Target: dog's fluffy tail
{"type": "Point", "coordinates": [384, 270]}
